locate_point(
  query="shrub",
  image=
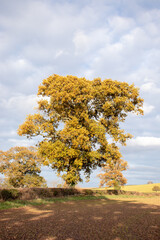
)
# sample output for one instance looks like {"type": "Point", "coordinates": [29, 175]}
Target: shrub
{"type": "Point", "coordinates": [43, 192]}
{"type": "Point", "coordinates": [149, 182]}
{"type": "Point", "coordinates": [10, 194]}
{"type": "Point", "coordinates": [87, 192]}
{"type": "Point", "coordinates": [156, 188]}
{"type": "Point", "coordinates": [56, 192]}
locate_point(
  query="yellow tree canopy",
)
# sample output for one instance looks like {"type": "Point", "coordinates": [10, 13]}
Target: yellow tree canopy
{"type": "Point", "coordinates": [112, 176]}
{"type": "Point", "coordinates": [74, 115]}
{"type": "Point", "coordinates": [21, 167]}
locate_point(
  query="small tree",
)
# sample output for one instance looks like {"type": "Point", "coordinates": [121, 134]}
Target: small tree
{"type": "Point", "coordinates": [149, 182]}
{"type": "Point", "coordinates": [112, 176]}
{"type": "Point", "coordinates": [21, 167]}
{"type": "Point", "coordinates": [87, 111]}
{"type": "Point", "coordinates": [156, 188]}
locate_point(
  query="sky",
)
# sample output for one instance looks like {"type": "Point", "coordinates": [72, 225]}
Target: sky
{"type": "Point", "coordinates": [116, 39]}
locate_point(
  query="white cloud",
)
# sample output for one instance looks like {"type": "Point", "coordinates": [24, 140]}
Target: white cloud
{"type": "Point", "coordinates": [120, 24]}
{"type": "Point", "coordinates": [150, 87]}
{"type": "Point", "coordinates": [20, 104]}
{"type": "Point", "coordinates": [6, 43]}
{"type": "Point", "coordinates": [20, 65]}
{"type": "Point", "coordinates": [59, 53]}
{"type": "Point", "coordinates": [8, 134]}
{"type": "Point", "coordinates": [158, 118]}
{"type": "Point", "coordinates": [81, 42]}
{"type": "Point", "coordinates": [147, 108]}
{"type": "Point", "coordinates": [22, 143]}
{"type": "Point", "coordinates": [90, 41]}
{"type": "Point", "coordinates": [144, 142]}
{"type": "Point", "coordinates": [146, 87]}
{"type": "Point", "coordinates": [140, 167]}
{"type": "Point", "coordinates": [4, 91]}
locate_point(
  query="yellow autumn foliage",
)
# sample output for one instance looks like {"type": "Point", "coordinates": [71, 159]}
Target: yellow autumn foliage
{"type": "Point", "coordinates": [74, 116]}
{"type": "Point", "coordinates": [21, 167]}
{"type": "Point", "coordinates": [112, 175]}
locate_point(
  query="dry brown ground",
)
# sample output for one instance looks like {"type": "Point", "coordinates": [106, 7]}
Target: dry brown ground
{"type": "Point", "coordinates": [82, 220]}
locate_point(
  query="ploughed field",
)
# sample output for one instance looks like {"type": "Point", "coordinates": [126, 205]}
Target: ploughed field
{"type": "Point", "coordinates": [113, 217]}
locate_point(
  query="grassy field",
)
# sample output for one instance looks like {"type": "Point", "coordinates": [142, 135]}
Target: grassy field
{"type": "Point", "coordinates": [138, 188]}
{"type": "Point", "coordinates": [36, 202]}
{"type": "Point", "coordinates": [141, 188]}
{"type": "Point", "coordinates": [155, 200]}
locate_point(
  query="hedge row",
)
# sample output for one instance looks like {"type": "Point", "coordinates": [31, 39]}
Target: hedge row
{"type": "Point", "coordinates": [118, 192]}
{"type": "Point", "coordinates": [33, 193]}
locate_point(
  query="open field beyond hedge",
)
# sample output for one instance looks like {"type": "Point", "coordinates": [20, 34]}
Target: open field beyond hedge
{"type": "Point", "coordinates": [141, 188]}
{"type": "Point", "coordinates": [106, 217]}
{"type": "Point", "coordinates": [138, 188]}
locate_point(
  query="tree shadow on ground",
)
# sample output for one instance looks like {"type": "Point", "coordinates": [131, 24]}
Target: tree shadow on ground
{"type": "Point", "coordinates": [81, 220]}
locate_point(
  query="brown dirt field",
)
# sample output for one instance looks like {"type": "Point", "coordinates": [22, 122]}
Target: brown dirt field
{"type": "Point", "coordinates": [82, 220]}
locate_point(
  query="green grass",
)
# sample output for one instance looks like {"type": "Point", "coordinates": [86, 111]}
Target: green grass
{"type": "Point", "coordinates": [23, 203]}
{"type": "Point", "coordinates": [138, 188]}
{"type": "Point", "coordinates": [35, 202]}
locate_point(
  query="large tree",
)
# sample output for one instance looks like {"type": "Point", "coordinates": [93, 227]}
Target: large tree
{"type": "Point", "coordinates": [21, 167]}
{"type": "Point", "coordinates": [74, 117]}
